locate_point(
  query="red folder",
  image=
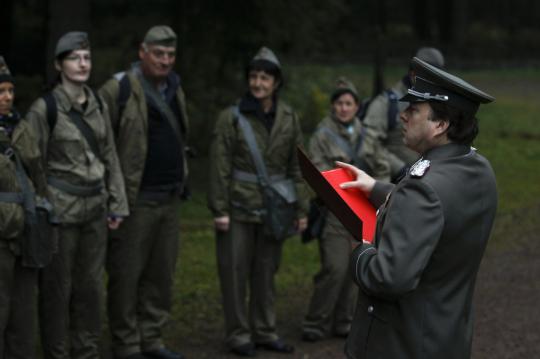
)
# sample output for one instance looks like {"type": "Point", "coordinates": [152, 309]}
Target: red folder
{"type": "Point", "coordinates": [350, 206]}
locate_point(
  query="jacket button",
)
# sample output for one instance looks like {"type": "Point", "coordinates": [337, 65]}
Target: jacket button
{"type": "Point", "coordinates": [370, 309]}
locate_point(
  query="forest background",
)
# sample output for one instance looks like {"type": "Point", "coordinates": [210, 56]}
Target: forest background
{"type": "Point", "coordinates": [493, 44]}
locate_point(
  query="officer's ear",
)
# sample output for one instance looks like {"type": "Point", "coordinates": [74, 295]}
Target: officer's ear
{"type": "Point", "coordinates": [441, 126]}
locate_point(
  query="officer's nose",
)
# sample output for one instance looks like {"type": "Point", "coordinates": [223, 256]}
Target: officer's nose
{"type": "Point", "coordinates": [403, 116]}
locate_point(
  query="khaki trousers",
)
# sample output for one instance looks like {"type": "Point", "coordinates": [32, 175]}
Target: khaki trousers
{"type": "Point", "coordinates": [247, 263]}
{"type": "Point", "coordinates": [17, 307]}
{"type": "Point", "coordinates": [71, 288]}
{"type": "Point", "coordinates": [141, 263]}
{"type": "Point", "coordinates": [334, 297]}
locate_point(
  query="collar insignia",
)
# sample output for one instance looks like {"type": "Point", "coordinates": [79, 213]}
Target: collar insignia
{"type": "Point", "coordinates": [420, 168]}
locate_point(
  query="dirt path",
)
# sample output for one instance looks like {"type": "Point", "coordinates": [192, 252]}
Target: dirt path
{"type": "Point", "coordinates": [507, 311]}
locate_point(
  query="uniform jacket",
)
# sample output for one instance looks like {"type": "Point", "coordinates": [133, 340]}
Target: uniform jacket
{"type": "Point", "coordinates": [131, 129]}
{"type": "Point", "coordinates": [23, 141]}
{"type": "Point", "coordinates": [324, 153]}
{"type": "Point", "coordinates": [383, 148]}
{"type": "Point", "coordinates": [417, 280]}
{"type": "Point", "coordinates": [68, 156]}
{"type": "Point", "coordinates": [229, 151]}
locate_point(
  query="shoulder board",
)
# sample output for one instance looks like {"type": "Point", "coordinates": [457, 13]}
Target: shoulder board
{"type": "Point", "coordinates": [420, 168]}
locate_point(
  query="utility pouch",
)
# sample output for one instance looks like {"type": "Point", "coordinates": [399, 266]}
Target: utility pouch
{"type": "Point", "coordinates": [40, 241]}
{"type": "Point", "coordinates": [279, 196]}
{"type": "Point", "coordinates": [280, 209]}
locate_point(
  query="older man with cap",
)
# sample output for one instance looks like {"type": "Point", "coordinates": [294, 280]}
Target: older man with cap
{"type": "Point", "coordinates": [417, 278]}
{"type": "Point", "coordinates": [86, 189]}
{"type": "Point", "coordinates": [21, 172]}
{"type": "Point", "coordinates": [383, 148]}
{"type": "Point", "coordinates": [247, 252]}
{"type": "Point", "coordinates": [148, 114]}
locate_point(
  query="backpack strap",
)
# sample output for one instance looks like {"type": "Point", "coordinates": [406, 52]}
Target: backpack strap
{"type": "Point", "coordinates": [392, 108]}
{"type": "Point", "coordinates": [86, 131]}
{"type": "Point", "coordinates": [52, 110]}
{"type": "Point", "coordinates": [340, 142]}
{"type": "Point", "coordinates": [124, 91]}
{"type": "Point", "coordinates": [256, 155]}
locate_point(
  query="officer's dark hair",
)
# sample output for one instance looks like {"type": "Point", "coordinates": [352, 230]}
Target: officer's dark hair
{"type": "Point", "coordinates": [463, 126]}
{"type": "Point", "coordinates": [268, 67]}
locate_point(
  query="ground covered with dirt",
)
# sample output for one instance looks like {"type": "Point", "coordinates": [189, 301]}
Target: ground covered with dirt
{"type": "Point", "coordinates": [507, 324]}
{"type": "Point", "coordinates": [507, 305]}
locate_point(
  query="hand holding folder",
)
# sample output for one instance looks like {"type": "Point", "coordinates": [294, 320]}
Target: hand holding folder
{"type": "Point", "coordinates": [350, 206]}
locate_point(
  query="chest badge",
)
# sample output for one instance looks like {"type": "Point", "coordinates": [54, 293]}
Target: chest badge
{"type": "Point", "coordinates": [420, 168]}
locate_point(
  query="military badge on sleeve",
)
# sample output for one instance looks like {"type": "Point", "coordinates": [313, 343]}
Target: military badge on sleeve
{"type": "Point", "coordinates": [420, 168]}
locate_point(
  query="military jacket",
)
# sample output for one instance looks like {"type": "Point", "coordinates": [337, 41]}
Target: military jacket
{"type": "Point", "coordinates": [324, 153]}
{"type": "Point", "coordinates": [322, 147]}
{"type": "Point", "coordinates": [68, 156]}
{"type": "Point", "coordinates": [383, 148]}
{"type": "Point", "coordinates": [229, 151]}
{"type": "Point", "coordinates": [131, 129]}
{"type": "Point", "coordinates": [23, 142]}
{"type": "Point", "coordinates": [417, 280]}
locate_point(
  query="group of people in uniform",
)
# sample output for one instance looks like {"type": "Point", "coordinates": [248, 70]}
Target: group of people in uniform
{"type": "Point", "coordinates": [112, 164]}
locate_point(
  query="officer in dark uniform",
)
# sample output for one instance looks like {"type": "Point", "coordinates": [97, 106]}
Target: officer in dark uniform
{"type": "Point", "coordinates": [417, 278]}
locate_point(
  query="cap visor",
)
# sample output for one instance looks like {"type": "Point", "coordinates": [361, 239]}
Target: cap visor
{"type": "Point", "coordinates": [411, 98]}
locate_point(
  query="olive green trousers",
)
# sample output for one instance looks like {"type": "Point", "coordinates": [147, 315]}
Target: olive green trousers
{"type": "Point", "coordinates": [141, 263]}
{"type": "Point", "coordinates": [334, 296]}
{"type": "Point", "coordinates": [247, 263]}
{"type": "Point", "coordinates": [17, 307]}
{"type": "Point", "coordinates": [71, 290]}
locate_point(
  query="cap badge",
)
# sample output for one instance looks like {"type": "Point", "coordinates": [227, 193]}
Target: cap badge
{"type": "Point", "coordinates": [420, 168]}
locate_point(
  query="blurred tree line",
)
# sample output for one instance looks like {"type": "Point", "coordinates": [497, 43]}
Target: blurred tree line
{"type": "Point", "coordinates": [218, 37]}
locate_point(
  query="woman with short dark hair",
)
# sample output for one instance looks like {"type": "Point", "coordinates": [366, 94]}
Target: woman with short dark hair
{"type": "Point", "coordinates": [247, 253]}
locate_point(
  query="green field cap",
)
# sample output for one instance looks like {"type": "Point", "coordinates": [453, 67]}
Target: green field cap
{"type": "Point", "coordinates": [268, 55]}
{"type": "Point", "coordinates": [434, 84]}
{"type": "Point", "coordinates": [160, 35]}
{"type": "Point", "coordinates": [344, 85]}
{"type": "Point", "coordinates": [74, 40]}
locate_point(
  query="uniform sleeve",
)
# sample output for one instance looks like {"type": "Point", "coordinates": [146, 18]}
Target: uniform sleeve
{"type": "Point", "coordinates": [412, 226]}
{"type": "Point", "coordinates": [375, 134]}
{"type": "Point", "coordinates": [37, 119]}
{"type": "Point", "coordinates": [221, 165]}
{"type": "Point", "coordinates": [379, 193]}
{"type": "Point", "coordinates": [319, 152]}
{"type": "Point", "coordinates": [32, 159]}
{"type": "Point", "coordinates": [183, 109]}
{"type": "Point", "coordinates": [109, 93]}
{"type": "Point", "coordinates": [118, 205]}
{"type": "Point", "coordinates": [295, 173]}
